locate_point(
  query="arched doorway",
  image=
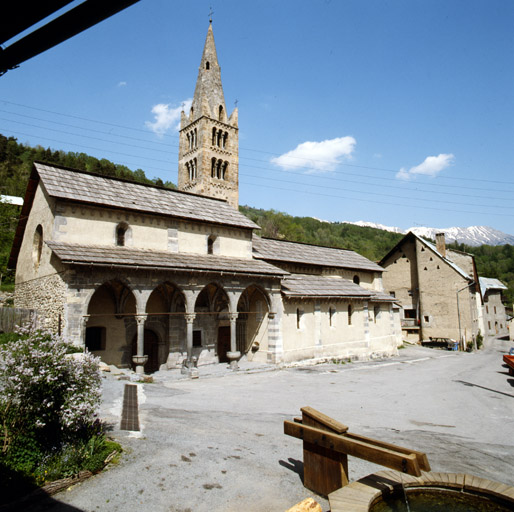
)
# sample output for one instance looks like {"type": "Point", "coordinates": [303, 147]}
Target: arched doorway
{"type": "Point", "coordinates": [212, 324]}
{"type": "Point", "coordinates": [165, 309]}
{"type": "Point", "coordinates": [111, 310]}
{"type": "Point", "coordinates": [252, 321]}
{"type": "Point", "coordinates": [151, 349]}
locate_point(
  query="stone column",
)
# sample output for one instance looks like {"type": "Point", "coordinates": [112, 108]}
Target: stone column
{"type": "Point", "coordinates": [234, 354]}
{"type": "Point", "coordinates": [190, 318]}
{"type": "Point", "coordinates": [140, 359]}
{"type": "Point", "coordinates": [83, 327]}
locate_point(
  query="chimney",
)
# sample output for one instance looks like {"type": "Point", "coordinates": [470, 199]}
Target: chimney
{"type": "Point", "coordinates": [440, 243]}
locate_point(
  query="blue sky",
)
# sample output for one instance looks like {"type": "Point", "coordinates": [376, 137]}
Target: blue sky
{"type": "Point", "coordinates": [396, 112]}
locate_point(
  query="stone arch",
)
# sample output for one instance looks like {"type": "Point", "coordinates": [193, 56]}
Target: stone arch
{"type": "Point", "coordinates": [253, 308]}
{"type": "Point", "coordinates": [211, 326]}
{"type": "Point", "coordinates": [110, 322]}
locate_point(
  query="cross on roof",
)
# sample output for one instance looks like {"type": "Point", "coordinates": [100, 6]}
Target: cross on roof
{"type": "Point", "coordinates": [211, 12]}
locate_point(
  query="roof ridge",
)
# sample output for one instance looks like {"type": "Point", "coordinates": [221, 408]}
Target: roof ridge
{"type": "Point", "coordinates": [309, 244]}
{"type": "Point", "coordinates": [126, 180]}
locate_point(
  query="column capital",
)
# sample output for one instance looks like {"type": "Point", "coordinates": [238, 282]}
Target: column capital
{"type": "Point", "coordinates": [190, 317]}
{"type": "Point", "coordinates": [84, 320]}
{"type": "Point", "coordinates": [233, 316]}
{"type": "Point", "coordinates": [140, 319]}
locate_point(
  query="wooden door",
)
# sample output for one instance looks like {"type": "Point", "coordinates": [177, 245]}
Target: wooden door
{"type": "Point", "coordinates": [151, 349]}
{"type": "Point", "coordinates": [223, 343]}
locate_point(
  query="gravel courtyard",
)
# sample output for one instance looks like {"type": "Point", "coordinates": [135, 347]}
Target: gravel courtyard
{"type": "Point", "coordinates": [217, 444]}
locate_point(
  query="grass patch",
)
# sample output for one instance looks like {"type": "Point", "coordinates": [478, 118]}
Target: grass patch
{"type": "Point", "coordinates": [7, 287]}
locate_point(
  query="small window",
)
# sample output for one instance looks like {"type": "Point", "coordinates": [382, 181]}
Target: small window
{"type": "Point", "coordinates": [427, 319]}
{"type": "Point", "coordinates": [356, 279]}
{"type": "Point", "coordinates": [331, 316]}
{"type": "Point", "coordinates": [409, 313]}
{"type": "Point", "coordinates": [350, 311]}
{"type": "Point", "coordinates": [197, 338]}
{"type": "Point", "coordinates": [495, 310]}
{"type": "Point", "coordinates": [210, 244]}
{"type": "Point", "coordinates": [95, 338]}
{"type": "Point", "coordinates": [376, 313]}
{"type": "Point", "coordinates": [299, 316]}
{"type": "Point", "coordinates": [489, 324]}
{"type": "Point", "coordinates": [487, 309]}
{"type": "Point", "coordinates": [37, 247]}
{"type": "Point", "coordinates": [393, 294]}
{"type": "Point", "coordinates": [121, 231]}
{"type": "Point", "coordinates": [207, 65]}
{"type": "Point", "coordinates": [220, 111]}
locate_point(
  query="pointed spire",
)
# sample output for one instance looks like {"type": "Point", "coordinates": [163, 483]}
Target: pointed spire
{"type": "Point", "coordinates": [208, 88]}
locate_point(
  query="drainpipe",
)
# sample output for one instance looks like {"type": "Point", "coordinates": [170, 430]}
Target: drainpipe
{"type": "Point", "coordinates": [458, 312]}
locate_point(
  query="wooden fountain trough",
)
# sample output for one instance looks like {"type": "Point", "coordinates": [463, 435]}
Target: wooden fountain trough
{"type": "Point", "coordinates": [327, 444]}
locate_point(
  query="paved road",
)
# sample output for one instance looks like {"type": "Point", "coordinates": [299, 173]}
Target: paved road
{"type": "Point", "coordinates": [217, 444]}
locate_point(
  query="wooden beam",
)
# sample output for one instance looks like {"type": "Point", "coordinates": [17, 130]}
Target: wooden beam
{"type": "Point", "coordinates": [420, 456]}
{"type": "Point", "coordinates": [404, 462]}
{"type": "Point", "coordinates": [331, 424]}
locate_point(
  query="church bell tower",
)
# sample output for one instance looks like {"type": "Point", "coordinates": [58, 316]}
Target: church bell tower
{"type": "Point", "coordinates": [209, 140]}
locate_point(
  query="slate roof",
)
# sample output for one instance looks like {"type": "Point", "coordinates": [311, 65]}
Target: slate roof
{"type": "Point", "coordinates": [303, 285]}
{"type": "Point", "coordinates": [490, 283]}
{"type": "Point", "coordinates": [293, 252]}
{"type": "Point", "coordinates": [106, 191]}
{"type": "Point", "coordinates": [128, 256]}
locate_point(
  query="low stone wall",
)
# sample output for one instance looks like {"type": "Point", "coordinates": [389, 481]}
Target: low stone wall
{"type": "Point", "coordinates": [46, 295]}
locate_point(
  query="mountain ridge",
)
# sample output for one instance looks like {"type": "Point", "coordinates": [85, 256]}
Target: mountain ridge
{"type": "Point", "coordinates": [472, 235]}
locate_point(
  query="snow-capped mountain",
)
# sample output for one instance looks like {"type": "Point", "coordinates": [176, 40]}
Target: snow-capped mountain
{"type": "Point", "coordinates": [473, 235]}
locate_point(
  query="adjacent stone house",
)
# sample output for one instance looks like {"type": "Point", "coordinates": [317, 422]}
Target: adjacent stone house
{"type": "Point", "coordinates": [156, 278]}
{"type": "Point", "coordinates": [438, 289]}
{"type": "Point", "coordinates": [494, 314]}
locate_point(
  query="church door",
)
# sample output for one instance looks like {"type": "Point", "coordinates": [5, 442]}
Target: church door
{"type": "Point", "coordinates": [223, 343]}
{"type": "Point", "coordinates": [151, 350]}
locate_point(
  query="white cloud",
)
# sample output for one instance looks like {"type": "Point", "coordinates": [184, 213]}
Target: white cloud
{"type": "Point", "coordinates": [122, 84]}
{"type": "Point", "coordinates": [319, 156]}
{"type": "Point", "coordinates": [431, 166]}
{"type": "Point", "coordinates": [166, 117]}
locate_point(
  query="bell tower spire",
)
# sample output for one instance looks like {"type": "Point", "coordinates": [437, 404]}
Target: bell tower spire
{"type": "Point", "coordinates": [208, 147]}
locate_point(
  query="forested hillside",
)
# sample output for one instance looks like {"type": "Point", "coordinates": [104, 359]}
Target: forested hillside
{"type": "Point", "coordinates": [370, 242]}
{"type": "Point", "coordinates": [16, 163]}
{"type": "Point", "coordinates": [494, 261]}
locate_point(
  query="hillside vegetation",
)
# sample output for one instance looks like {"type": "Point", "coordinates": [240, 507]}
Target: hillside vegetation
{"type": "Point", "coordinates": [16, 163]}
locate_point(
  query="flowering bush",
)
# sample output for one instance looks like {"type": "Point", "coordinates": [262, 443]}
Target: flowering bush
{"type": "Point", "coordinates": [46, 397]}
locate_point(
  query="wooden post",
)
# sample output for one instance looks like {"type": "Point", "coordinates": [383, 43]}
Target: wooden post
{"type": "Point", "coordinates": [324, 470]}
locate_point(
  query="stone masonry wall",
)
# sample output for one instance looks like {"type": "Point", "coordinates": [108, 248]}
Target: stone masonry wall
{"type": "Point", "coordinates": [47, 296]}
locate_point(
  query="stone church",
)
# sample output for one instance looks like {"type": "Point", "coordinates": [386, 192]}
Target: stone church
{"type": "Point", "coordinates": [153, 278]}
